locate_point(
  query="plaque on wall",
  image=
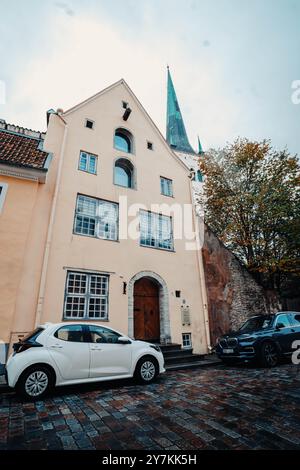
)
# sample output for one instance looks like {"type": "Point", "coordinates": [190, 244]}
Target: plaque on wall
{"type": "Point", "coordinates": [185, 315]}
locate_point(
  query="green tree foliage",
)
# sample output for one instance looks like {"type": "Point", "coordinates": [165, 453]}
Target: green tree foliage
{"type": "Point", "coordinates": [252, 202]}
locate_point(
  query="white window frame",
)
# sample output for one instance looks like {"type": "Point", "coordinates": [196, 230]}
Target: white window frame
{"type": "Point", "coordinates": [4, 187]}
{"type": "Point", "coordinates": [88, 160]}
{"type": "Point", "coordinates": [87, 296]}
{"type": "Point", "coordinates": [96, 218]}
{"type": "Point", "coordinates": [188, 345]}
{"type": "Point", "coordinates": [166, 186]}
{"type": "Point", "coordinates": [154, 221]}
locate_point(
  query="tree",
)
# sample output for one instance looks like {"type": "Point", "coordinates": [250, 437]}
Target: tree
{"type": "Point", "coordinates": [252, 203]}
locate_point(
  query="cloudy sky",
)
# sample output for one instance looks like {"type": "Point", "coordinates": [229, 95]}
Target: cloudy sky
{"type": "Point", "coordinates": [232, 61]}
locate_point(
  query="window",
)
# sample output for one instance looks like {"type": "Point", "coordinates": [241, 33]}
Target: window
{"type": "Point", "coordinates": [178, 293]}
{"type": "Point", "coordinates": [149, 146]}
{"type": "Point", "coordinates": [156, 230]}
{"type": "Point", "coordinates": [282, 321]}
{"type": "Point", "coordinates": [101, 334]}
{"type": "Point", "coordinates": [89, 124]}
{"type": "Point", "coordinates": [73, 333]}
{"type": "Point", "coordinates": [96, 218]}
{"type": "Point", "coordinates": [186, 340]}
{"type": "Point", "coordinates": [256, 323]}
{"type": "Point", "coordinates": [88, 162]}
{"type": "Point", "coordinates": [124, 104]}
{"type": "Point", "coordinates": [3, 191]}
{"type": "Point", "coordinates": [296, 319]}
{"type": "Point", "coordinates": [166, 186]}
{"type": "Point", "coordinates": [123, 173]}
{"type": "Point", "coordinates": [123, 140]}
{"type": "Point", "coordinates": [86, 296]}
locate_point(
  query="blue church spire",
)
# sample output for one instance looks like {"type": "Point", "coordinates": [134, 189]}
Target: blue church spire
{"type": "Point", "coordinates": [200, 148]}
{"type": "Point", "coordinates": [176, 133]}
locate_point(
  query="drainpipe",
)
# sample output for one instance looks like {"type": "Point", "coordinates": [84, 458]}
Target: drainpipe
{"type": "Point", "coordinates": [201, 270]}
{"type": "Point", "coordinates": [42, 289]}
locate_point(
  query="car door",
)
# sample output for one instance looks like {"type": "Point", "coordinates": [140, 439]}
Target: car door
{"type": "Point", "coordinates": [283, 333]}
{"type": "Point", "coordinates": [108, 358]}
{"type": "Point", "coordinates": [295, 321]}
{"type": "Point", "coordinates": [70, 351]}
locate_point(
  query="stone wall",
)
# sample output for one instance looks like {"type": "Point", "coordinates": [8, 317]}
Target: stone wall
{"type": "Point", "coordinates": [233, 293]}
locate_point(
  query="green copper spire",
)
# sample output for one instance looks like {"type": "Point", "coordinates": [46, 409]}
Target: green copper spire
{"type": "Point", "coordinates": [176, 133]}
{"type": "Point", "coordinates": [200, 149]}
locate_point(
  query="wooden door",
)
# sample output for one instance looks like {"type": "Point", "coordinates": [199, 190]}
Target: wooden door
{"type": "Point", "coordinates": [146, 310]}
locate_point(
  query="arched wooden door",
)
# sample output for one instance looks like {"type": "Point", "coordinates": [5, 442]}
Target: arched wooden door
{"type": "Point", "coordinates": [146, 310]}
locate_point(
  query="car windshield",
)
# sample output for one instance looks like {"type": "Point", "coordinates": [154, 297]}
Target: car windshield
{"type": "Point", "coordinates": [256, 323]}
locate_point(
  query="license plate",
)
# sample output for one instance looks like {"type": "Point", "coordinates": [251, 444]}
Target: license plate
{"type": "Point", "coordinates": [227, 351]}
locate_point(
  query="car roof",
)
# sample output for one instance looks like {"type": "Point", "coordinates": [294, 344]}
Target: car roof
{"type": "Point", "coordinates": [288, 312]}
{"type": "Point", "coordinates": [270, 315]}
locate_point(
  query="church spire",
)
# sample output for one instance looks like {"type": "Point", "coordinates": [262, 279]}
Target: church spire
{"type": "Point", "coordinates": [200, 149]}
{"type": "Point", "coordinates": [176, 133]}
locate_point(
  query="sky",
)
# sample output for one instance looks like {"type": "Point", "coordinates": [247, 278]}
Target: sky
{"type": "Point", "coordinates": [233, 62]}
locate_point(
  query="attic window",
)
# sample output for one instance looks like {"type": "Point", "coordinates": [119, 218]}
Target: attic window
{"type": "Point", "coordinates": [124, 104]}
{"type": "Point", "coordinates": [149, 146]}
{"type": "Point", "coordinates": [89, 123]}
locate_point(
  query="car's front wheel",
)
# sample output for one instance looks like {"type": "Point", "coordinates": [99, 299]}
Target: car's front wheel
{"type": "Point", "coordinates": [35, 382]}
{"type": "Point", "coordinates": [146, 370]}
{"type": "Point", "coordinates": [269, 355]}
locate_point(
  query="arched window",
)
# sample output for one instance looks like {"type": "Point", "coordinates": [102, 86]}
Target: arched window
{"type": "Point", "coordinates": [124, 173]}
{"type": "Point", "coordinates": [123, 140]}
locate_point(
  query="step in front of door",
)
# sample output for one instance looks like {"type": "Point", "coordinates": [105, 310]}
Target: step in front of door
{"type": "Point", "coordinates": [177, 358]}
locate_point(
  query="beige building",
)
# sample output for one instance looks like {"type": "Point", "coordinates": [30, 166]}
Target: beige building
{"type": "Point", "coordinates": [25, 202]}
{"type": "Point", "coordinates": [77, 261]}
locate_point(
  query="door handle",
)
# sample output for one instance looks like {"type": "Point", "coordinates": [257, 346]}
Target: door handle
{"type": "Point", "coordinates": [96, 349]}
{"type": "Point", "coordinates": [56, 346]}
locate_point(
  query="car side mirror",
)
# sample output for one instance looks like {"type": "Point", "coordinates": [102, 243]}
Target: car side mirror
{"type": "Point", "coordinates": [123, 340]}
{"type": "Point", "coordinates": [279, 326]}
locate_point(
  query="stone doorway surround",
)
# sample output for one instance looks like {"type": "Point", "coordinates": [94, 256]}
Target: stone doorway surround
{"type": "Point", "coordinates": [165, 330]}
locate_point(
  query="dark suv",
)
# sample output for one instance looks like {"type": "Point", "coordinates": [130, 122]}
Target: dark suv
{"type": "Point", "coordinates": [263, 338]}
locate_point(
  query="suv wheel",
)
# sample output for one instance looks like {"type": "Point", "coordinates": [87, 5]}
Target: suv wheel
{"type": "Point", "coordinates": [146, 370]}
{"type": "Point", "coordinates": [269, 355]}
{"type": "Point", "coordinates": [35, 382]}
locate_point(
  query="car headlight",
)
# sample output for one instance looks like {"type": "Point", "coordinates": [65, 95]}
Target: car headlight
{"type": "Point", "coordinates": [156, 347]}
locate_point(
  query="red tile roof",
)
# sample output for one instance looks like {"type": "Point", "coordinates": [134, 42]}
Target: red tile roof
{"type": "Point", "coordinates": [21, 150]}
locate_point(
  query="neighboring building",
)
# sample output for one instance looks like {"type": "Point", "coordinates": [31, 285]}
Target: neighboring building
{"type": "Point", "coordinates": [25, 202]}
{"type": "Point", "coordinates": [74, 257]}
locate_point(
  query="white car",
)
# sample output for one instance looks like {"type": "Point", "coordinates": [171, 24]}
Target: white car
{"type": "Point", "coordinates": [73, 353]}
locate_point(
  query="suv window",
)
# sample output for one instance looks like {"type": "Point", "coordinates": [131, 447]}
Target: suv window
{"type": "Point", "coordinates": [282, 321]}
{"type": "Point", "coordinates": [72, 333]}
{"type": "Point", "coordinates": [101, 334]}
{"type": "Point", "coordinates": [296, 319]}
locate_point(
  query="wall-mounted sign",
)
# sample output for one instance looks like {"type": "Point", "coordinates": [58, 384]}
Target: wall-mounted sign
{"type": "Point", "coordinates": [185, 315]}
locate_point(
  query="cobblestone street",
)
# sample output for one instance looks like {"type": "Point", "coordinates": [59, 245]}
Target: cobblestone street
{"type": "Point", "coordinates": [214, 408]}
